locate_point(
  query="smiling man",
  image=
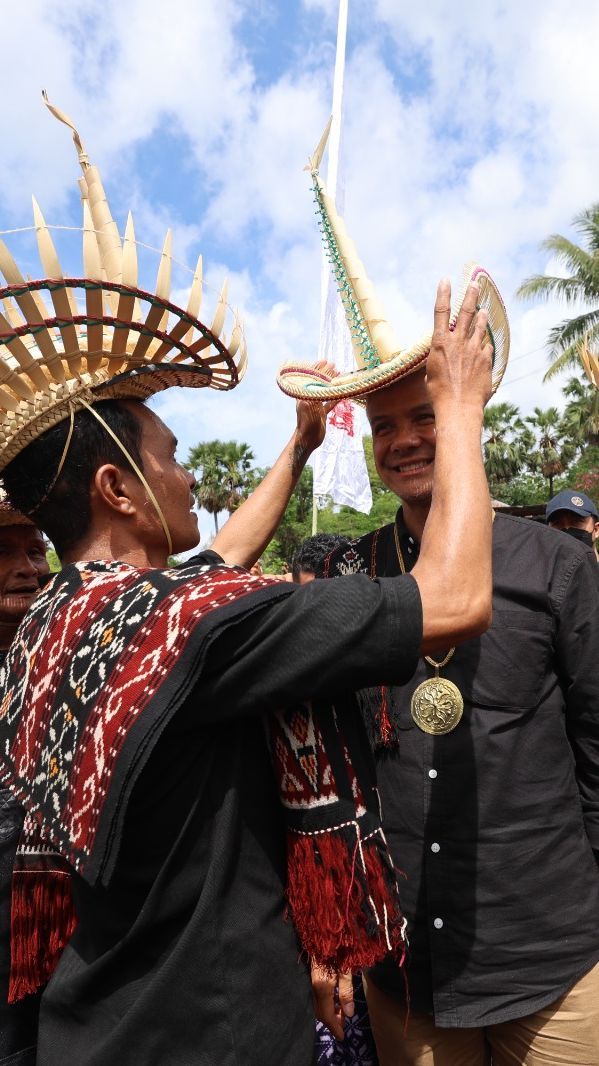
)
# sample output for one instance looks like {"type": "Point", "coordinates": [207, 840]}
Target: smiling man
{"type": "Point", "coordinates": [488, 766]}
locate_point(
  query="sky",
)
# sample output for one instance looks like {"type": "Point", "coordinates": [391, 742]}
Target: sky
{"type": "Point", "coordinates": [469, 131]}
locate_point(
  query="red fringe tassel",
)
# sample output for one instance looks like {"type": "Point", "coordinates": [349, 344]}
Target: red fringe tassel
{"type": "Point", "coordinates": [42, 921]}
{"type": "Point", "coordinates": [339, 899]}
{"type": "Point", "coordinates": [385, 728]}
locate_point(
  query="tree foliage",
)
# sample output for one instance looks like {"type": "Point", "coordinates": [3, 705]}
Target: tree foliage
{"type": "Point", "coordinates": [224, 475]}
{"type": "Point", "coordinates": [581, 285]}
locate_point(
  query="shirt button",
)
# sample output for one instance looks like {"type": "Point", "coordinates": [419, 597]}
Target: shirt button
{"type": "Point", "coordinates": [438, 923]}
{"type": "Point", "coordinates": [433, 774]}
{"type": "Point", "coordinates": [435, 847]}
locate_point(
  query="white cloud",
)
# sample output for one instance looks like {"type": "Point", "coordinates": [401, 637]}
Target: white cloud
{"type": "Point", "coordinates": [465, 136]}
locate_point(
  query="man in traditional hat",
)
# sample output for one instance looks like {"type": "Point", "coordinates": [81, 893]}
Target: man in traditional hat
{"type": "Point", "coordinates": [22, 566]}
{"type": "Point", "coordinates": [137, 700]}
{"type": "Point", "coordinates": [488, 758]}
{"type": "Point", "coordinates": [492, 812]}
{"type": "Point", "coordinates": [575, 513]}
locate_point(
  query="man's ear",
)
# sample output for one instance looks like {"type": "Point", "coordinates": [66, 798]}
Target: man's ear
{"type": "Point", "coordinates": [113, 488]}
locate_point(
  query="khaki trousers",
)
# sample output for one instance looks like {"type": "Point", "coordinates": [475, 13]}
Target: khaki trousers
{"type": "Point", "coordinates": [565, 1032]}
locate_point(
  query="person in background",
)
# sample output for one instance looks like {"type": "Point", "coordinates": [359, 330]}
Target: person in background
{"type": "Point", "coordinates": [311, 552]}
{"type": "Point", "coordinates": [23, 565]}
{"type": "Point", "coordinates": [575, 513]}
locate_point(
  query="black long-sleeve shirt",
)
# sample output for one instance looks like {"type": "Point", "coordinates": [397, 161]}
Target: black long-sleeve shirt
{"type": "Point", "coordinates": [186, 958]}
{"type": "Point", "coordinates": [496, 824]}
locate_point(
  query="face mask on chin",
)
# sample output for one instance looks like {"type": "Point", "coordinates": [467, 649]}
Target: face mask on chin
{"type": "Point", "coordinates": [582, 535]}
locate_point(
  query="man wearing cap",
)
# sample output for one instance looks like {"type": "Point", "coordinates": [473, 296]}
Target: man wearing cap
{"type": "Point", "coordinates": [575, 513]}
{"type": "Point", "coordinates": [22, 566]}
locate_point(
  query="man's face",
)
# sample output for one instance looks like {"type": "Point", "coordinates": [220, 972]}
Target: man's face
{"type": "Point", "coordinates": [568, 520]}
{"type": "Point", "coordinates": [22, 564]}
{"type": "Point", "coordinates": [403, 437]}
{"type": "Point", "coordinates": [170, 483]}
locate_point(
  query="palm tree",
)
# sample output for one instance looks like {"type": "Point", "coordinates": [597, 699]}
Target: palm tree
{"type": "Point", "coordinates": [505, 444]}
{"type": "Point", "coordinates": [581, 415]}
{"type": "Point", "coordinates": [581, 285]}
{"type": "Point", "coordinates": [238, 477]}
{"type": "Point", "coordinates": [224, 476]}
{"type": "Point", "coordinates": [553, 452]}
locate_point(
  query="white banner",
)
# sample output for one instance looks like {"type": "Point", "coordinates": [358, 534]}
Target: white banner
{"type": "Point", "coordinates": [339, 464]}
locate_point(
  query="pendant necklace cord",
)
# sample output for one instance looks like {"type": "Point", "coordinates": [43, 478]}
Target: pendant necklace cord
{"type": "Point", "coordinates": [436, 705]}
{"type": "Point", "coordinates": [432, 662]}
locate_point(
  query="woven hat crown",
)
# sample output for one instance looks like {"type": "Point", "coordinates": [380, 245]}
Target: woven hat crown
{"type": "Point", "coordinates": [100, 335]}
{"type": "Point", "coordinates": [378, 356]}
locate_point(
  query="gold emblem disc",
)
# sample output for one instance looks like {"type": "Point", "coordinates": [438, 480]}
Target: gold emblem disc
{"type": "Point", "coordinates": [437, 706]}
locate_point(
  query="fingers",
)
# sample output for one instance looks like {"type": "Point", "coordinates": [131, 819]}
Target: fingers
{"type": "Point", "coordinates": [346, 994]}
{"type": "Point", "coordinates": [443, 304]}
{"type": "Point", "coordinates": [327, 368]}
{"type": "Point", "coordinates": [330, 1008]}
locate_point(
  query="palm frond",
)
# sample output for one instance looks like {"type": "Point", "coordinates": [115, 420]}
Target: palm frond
{"type": "Point", "coordinates": [543, 287]}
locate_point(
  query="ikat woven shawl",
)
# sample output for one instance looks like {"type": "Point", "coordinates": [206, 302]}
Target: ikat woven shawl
{"type": "Point", "coordinates": [101, 662]}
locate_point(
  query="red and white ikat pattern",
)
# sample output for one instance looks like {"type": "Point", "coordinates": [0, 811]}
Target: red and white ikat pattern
{"type": "Point", "coordinates": [88, 658]}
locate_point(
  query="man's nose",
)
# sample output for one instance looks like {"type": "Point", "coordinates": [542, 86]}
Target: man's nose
{"type": "Point", "coordinates": [405, 436]}
{"type": "Point", "coordinates": [191, 479]}
{"type": "Point", "coordinates": [24, 566]}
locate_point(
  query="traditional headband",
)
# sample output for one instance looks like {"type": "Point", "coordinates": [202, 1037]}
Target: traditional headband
{"type": "Point", "coordinates": [379, 359]}
{"type": "Point", "coordinates": [103, 337]}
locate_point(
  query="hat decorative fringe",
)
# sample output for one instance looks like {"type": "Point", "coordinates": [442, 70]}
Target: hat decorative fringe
{"type": "Point", "coordinates": [100, 336]}
{"type": "Point", "coordinates": [379, 358]}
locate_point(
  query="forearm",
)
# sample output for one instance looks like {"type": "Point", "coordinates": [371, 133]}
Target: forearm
{"type": "Point", "coordinates": [317, 641]}
{"type": "Point", "coordinates": [252, 526]}
{"type": "Point", "coordinates": [454, 567]}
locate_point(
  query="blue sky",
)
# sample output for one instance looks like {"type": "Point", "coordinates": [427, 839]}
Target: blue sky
{"type": "Point", "coordinates": [470, 133]}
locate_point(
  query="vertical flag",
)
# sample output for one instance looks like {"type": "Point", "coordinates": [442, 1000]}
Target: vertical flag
{"type": "Point", "coordinates": [339, 464]}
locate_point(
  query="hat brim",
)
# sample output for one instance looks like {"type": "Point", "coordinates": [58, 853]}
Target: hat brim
{"type": "Point", "coordinates": [305, 381]}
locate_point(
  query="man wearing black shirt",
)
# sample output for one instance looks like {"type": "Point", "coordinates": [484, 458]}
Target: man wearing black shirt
{"type": "Point", "coordinates": [182, 955]}
{"type": "Point", "coordinates": [494, 817]}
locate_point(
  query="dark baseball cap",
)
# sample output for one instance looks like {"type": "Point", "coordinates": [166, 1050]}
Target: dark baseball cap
{"type": "Point", "coordinates": [572, 500]}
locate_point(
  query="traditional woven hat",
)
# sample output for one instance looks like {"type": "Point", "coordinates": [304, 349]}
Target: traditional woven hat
{"type": "Point", "coordinates": [103, 337]}
{"type": "Point", "coordinates": [379, 358]}
{"type": "Point", "coordinates": [590, 363]}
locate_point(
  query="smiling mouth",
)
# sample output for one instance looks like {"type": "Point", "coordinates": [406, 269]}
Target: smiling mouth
{"type": "Point", "coordinates": [414, 467]}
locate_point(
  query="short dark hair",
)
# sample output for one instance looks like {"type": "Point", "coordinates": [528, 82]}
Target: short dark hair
{"type": "Point", "coordinates": [65, 515]}
{"type": "Point", "coordinates": [314, 550]}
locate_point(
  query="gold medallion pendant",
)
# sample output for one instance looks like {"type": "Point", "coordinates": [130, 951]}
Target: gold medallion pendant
{"type": "Point", "coordinates": [437, 706]}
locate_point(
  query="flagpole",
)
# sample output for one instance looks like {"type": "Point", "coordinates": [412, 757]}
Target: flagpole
{"type": "Point", "coordinates": [333, 167]}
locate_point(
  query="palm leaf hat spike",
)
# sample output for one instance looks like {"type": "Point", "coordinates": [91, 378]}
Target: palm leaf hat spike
{"type": "Point", "coordinates": [66, 342]}
{"type": "Point", "coordinates": [590, 362]}
{"type": "Point", "coordinates": [379, 358]}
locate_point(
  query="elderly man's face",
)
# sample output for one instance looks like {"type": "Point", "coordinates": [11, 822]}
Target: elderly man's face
{"type": "Point", "coordinates": [22, 564]}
